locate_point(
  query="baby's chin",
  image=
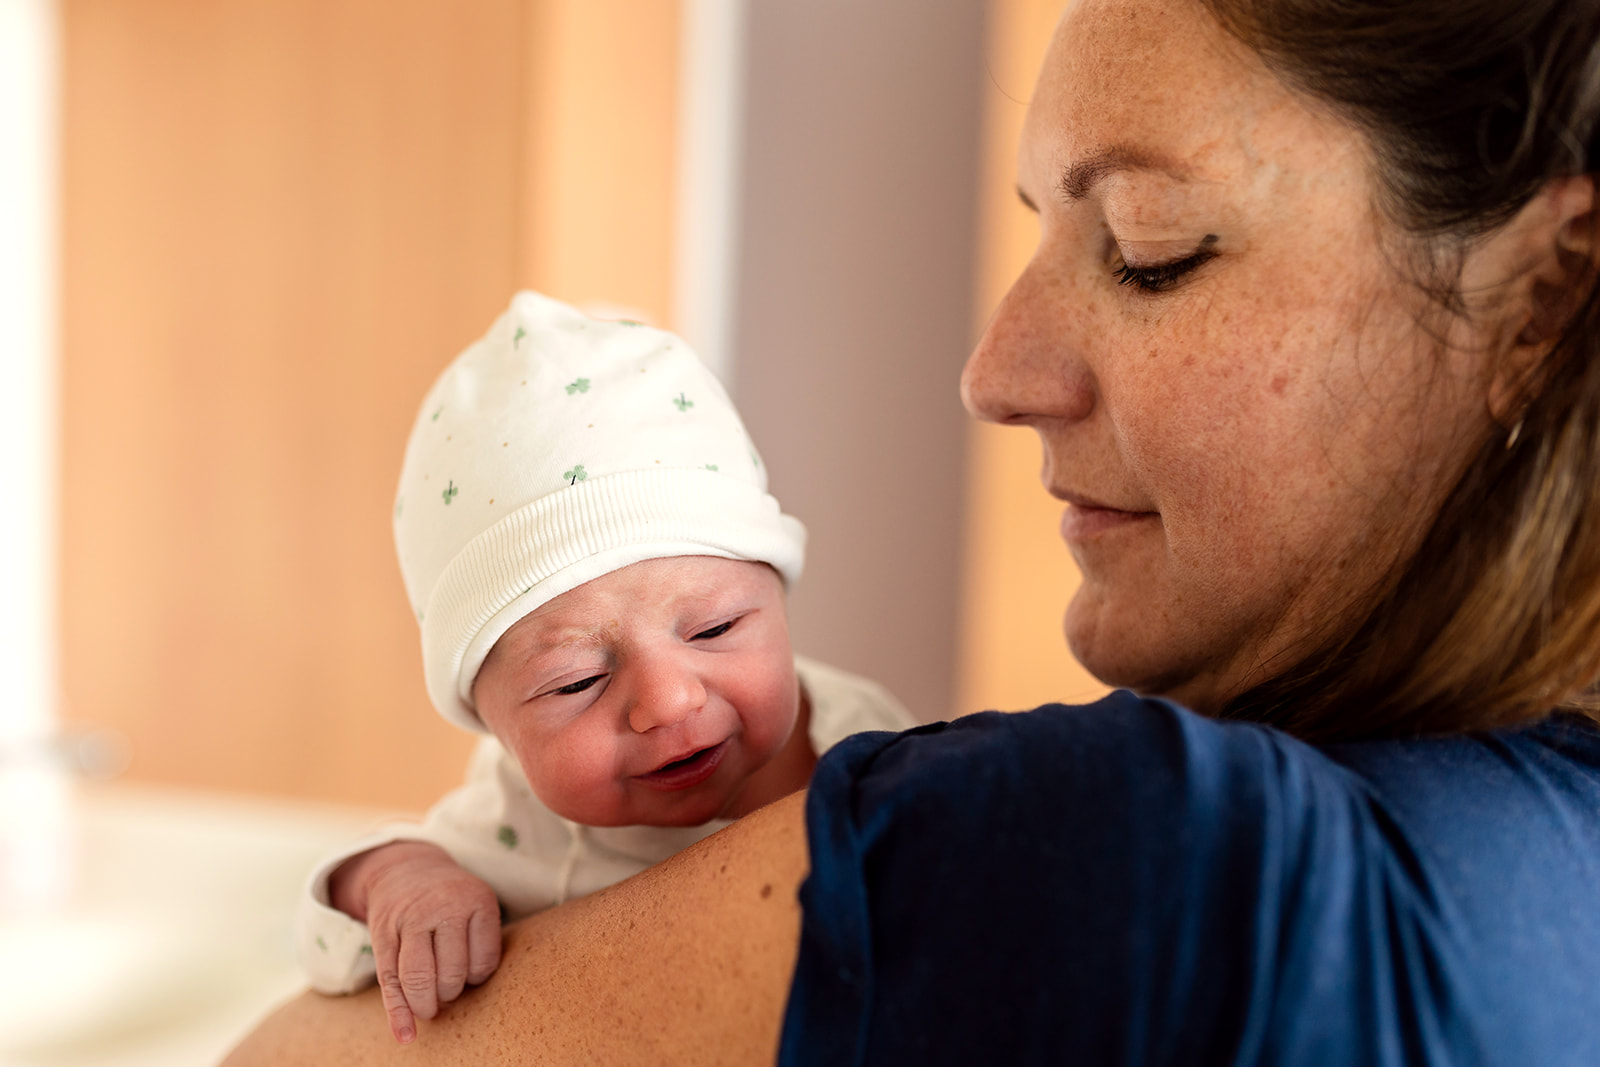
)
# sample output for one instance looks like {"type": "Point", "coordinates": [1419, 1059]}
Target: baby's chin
{"type": "Point", "coordinates": [682, 817]}
{"type": "Point", "coordinates": [652, 809]}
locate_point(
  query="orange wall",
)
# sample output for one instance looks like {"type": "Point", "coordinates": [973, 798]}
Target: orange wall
{"type": "Point", "coordinates": [1017, 576]}
{"type": "Point", "coordinates": [597, 207]}
{"type": "Point", "coordinates": [280, 219]}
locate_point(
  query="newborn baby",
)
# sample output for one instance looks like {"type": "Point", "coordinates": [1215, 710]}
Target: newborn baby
{"type": "Point", "coordinates": [599, 575]}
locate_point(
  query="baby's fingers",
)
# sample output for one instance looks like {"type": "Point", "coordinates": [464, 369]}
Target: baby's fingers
{"type": "Point", "coordinates": [401, 1023]}
{"type": "Point", "coordinates": [419, 977]}
{"type": "Point", "coordinates": [450, 952]}
{"type": "Point", "coordinates": [483, 945]}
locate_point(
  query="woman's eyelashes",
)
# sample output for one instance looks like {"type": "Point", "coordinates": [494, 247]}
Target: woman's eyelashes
{"type": "Point", "coordinates": [1160, 277]}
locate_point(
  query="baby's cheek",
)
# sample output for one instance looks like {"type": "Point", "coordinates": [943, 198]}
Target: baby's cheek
{"type": "Point", "coordinates": [584, 761]}
{"type": "Point", "coordinates": [541, 757]}
{"type": "Point", "coordinates": [771, 717]}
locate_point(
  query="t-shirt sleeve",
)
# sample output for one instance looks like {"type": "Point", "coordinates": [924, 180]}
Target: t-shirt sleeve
{"type": "Point", "coordinates": [1123, 883]}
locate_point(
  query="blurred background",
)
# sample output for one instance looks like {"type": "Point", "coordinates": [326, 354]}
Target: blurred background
{"type": "Point", "coordinates": [239, 239]}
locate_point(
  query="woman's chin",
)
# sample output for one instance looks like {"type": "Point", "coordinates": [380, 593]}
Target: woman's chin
{"type": "Point", "coordinates": [1131, 652]}
{"type": "Point", "coordinates": [1110, 646]}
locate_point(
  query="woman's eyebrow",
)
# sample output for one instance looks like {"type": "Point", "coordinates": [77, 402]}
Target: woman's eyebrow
{"type": "Point", "coordinates": [1077, 179]}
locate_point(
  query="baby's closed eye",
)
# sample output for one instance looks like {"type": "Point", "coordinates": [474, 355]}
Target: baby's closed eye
{"type": "Point", "coordinates": [579, 686]}
{"type": "Point", "coordinates": [715, 631]}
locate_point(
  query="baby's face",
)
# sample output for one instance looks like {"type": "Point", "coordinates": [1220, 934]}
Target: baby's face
{"type": "Point", "coordinates": [648, 695]}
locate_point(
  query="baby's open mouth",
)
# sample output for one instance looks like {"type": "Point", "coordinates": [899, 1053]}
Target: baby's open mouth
{"type": "Point", "coordinates": [688, 771]}
{"type": "Point", "coordinates": [675, 764]}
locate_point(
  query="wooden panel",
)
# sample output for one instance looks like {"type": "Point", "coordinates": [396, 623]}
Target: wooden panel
{"type": "Point", "coordinates": [281, 217]}
{"type": "Point", "coordinates": [1018, 576]}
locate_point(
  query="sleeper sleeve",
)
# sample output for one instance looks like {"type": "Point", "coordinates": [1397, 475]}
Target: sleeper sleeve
{"type": "Point", "coordinates": [843, 704]}
{"type": "Point", "coordinates": [492, 825]}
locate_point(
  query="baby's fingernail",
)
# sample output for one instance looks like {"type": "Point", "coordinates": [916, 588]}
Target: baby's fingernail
{"type": "Point", "coordinates": [405, 1034]}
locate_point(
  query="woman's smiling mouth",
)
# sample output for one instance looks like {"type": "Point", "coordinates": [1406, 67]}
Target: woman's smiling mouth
{"type": "Point", "coordinates": [1086, 518]}
{"type": "Point", "coordinates": [1083, 523]}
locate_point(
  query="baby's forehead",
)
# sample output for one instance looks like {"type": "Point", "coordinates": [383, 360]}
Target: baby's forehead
{"type": "Point", "coordinates": [533, 634]}
{"type": "Point", "coordinates": [600, 609]}
{"type": "Point", "coordinates": [555, 626]}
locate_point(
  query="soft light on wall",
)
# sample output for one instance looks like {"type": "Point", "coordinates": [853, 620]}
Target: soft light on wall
{"type": "Point", "coordinates": [33, 858]}
{"type": "Point", "coordinates": [710, 116]}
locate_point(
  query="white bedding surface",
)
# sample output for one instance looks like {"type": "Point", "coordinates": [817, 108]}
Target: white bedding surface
{"type": "Point", "coordinates": [175, 936]}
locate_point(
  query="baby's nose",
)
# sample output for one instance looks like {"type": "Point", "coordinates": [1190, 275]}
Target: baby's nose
{"type": "Point", "coordinates": [665, 697]}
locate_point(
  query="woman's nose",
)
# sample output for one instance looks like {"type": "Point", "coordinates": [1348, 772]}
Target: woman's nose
{"type": "Point", "coordinates": [1030, 363]}
{"type": "Point", "coordinates": [664, 694]}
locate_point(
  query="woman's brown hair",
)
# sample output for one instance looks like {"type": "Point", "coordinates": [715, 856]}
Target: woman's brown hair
{"type": "Point", "coordinates": [1471, 107]}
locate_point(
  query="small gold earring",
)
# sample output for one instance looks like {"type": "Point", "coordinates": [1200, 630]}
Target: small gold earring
{"type": "Point", "coordinates": [1516, 432]}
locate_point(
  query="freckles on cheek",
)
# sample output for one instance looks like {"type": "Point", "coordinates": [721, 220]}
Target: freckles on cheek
{"type": "Point", "coordinates": [1195, 379]}
{"type": "Point", "coordinates": [1221, 417]}
{"type": "Point", "coordinates": [1267, 352]}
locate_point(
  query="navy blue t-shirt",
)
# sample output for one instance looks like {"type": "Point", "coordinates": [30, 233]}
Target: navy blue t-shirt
{"type": "Point", "coordinates": [1131, 883]}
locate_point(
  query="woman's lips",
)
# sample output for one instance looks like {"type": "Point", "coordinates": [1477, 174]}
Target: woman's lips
{"type": "Point", "coordinates": [687, 772]}
{"type": "Point", "coordinates": [1084, 522]}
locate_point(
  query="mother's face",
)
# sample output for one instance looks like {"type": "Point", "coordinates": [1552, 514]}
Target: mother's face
{"type": "Point", "coordinates": [1220, 356]}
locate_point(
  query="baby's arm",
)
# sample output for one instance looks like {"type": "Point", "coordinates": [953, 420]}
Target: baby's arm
{"type": "Point", "coordinates": [490, 826]}
{"type": "Point", "coordinates": [495, 829]}
{"type": "Point", "coordinates": [435, 928]}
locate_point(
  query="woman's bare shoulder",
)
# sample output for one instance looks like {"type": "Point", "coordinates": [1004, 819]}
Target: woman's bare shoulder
{"type": "Point", "coordinates": [686, 963]}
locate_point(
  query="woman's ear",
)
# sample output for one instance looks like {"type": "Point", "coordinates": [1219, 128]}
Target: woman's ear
{"type": "Point", "coordinates": [1556, 233]}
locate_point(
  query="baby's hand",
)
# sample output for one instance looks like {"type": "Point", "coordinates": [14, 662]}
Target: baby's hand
{"type": "Point", "coordinates": [435, 928]}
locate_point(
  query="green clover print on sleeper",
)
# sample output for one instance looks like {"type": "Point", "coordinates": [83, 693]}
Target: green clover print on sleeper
{"type": "Point", "coordinates": [575, 475]}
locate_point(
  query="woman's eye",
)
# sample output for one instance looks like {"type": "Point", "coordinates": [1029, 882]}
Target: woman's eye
{"type": "Point", "coordinates": [1163, 276]}
{"type": "Point", "coordinates": [715, 631]}
{"type": "Point", "coordinates": [578, 686]}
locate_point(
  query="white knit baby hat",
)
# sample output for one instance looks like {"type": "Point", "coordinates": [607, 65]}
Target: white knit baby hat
{"type": "Point", "coordinates": [556, 449]}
